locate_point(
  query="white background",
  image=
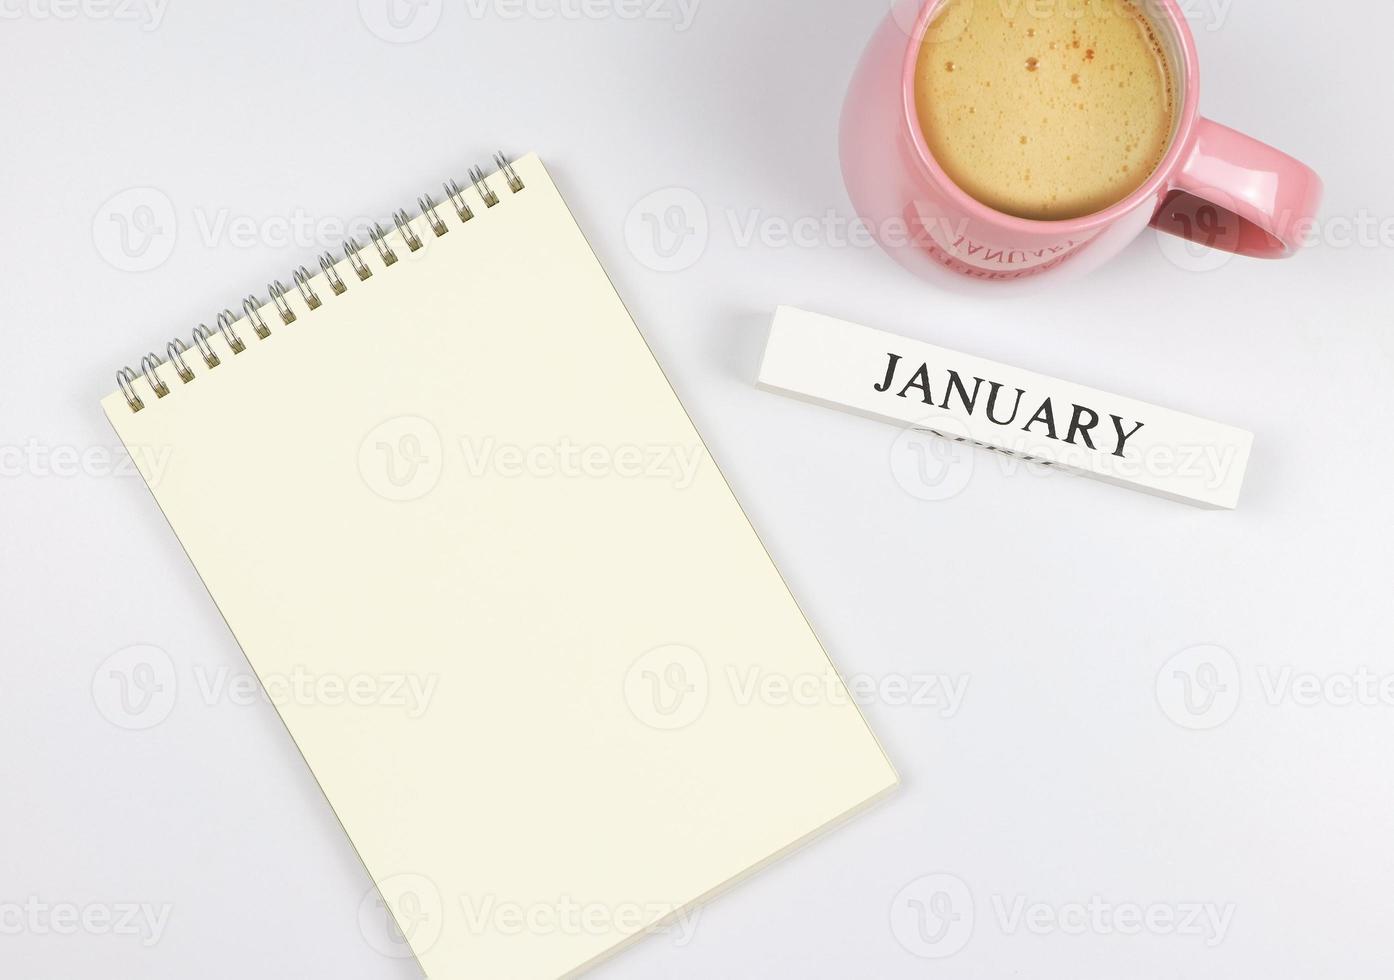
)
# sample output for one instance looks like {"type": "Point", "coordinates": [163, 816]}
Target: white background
{"type": "Point", "coordinates": [1071, 772]}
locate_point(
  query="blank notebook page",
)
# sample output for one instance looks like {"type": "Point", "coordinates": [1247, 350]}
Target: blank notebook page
{"type": "Point", "coordinates": [469, 471]}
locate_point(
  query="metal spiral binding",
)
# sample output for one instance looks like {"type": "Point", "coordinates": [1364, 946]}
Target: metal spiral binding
{"type": "Point", "coordinates": [176, 350]}
{"type": "Point", "coordinates": [353, 254]}
{"type": "Point", "coordinates": [225, 326]}
{"type": "Point", "coordinates": [402, 219]}
{"type": "Point", "coordinates": [302, 283]}
{"type": "Point", "coordinates": [252, 308]}
{"type": "Point", "coordinates": [201, 335]}
{"type": "Point", "coordinates": [278, 296]}
{"type": "Point", "coordinates": [148, 364]}
{"type": "Point", "coordinates": [352, 251]}
{"type": "Point", "coordinates": [482, 186]}
{"type": "Point", "coordinates": [379, 238]}
{"type": "Point", "coordinates": [428, 208]}
{"type": "Point", "coordinates": [126, 379]}
{"type": "Point", "coordinates": [515, 183]}
{"type": "Point", "coordinates": [326, 262]}
{"type": "Point", "coordinates": [457, 198]}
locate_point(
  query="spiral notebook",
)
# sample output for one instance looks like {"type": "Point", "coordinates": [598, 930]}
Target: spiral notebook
{"type": "Point", "coordinates": [446, 463]}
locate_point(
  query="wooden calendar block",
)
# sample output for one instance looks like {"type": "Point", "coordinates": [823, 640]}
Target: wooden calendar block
{"type": "Point", "coordinates": [1007, 409]}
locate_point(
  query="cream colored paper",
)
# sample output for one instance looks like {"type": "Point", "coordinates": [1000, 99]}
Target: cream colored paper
{"type": "Point", "coordinates": [468, 474]}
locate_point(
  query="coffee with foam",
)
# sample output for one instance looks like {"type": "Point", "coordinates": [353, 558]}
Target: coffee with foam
{"type": "Point", "coordinates": [1045, 110]}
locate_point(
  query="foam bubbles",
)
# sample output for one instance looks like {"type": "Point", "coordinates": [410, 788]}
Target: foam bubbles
{"type": "Point", "coordinates": [1079, 129]}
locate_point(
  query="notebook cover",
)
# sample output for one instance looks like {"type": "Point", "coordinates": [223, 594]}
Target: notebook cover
{"type": "Point", "coordinates": [468, 474]}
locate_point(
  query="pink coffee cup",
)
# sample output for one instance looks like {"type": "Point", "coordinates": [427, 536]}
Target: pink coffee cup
{"type": "Point", "coordinates": [1215, 187]}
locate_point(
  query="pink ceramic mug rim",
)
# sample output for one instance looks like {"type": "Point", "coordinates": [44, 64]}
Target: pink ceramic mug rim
{"type": "Point", "coordinates": [1149, 189]}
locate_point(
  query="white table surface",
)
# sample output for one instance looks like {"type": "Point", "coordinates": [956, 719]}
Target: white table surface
{"type": "Point", "coordinates": [1071, 773]}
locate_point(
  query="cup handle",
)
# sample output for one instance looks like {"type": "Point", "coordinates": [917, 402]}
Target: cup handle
{"type": "Point", "coordinates": [1236, 194]}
